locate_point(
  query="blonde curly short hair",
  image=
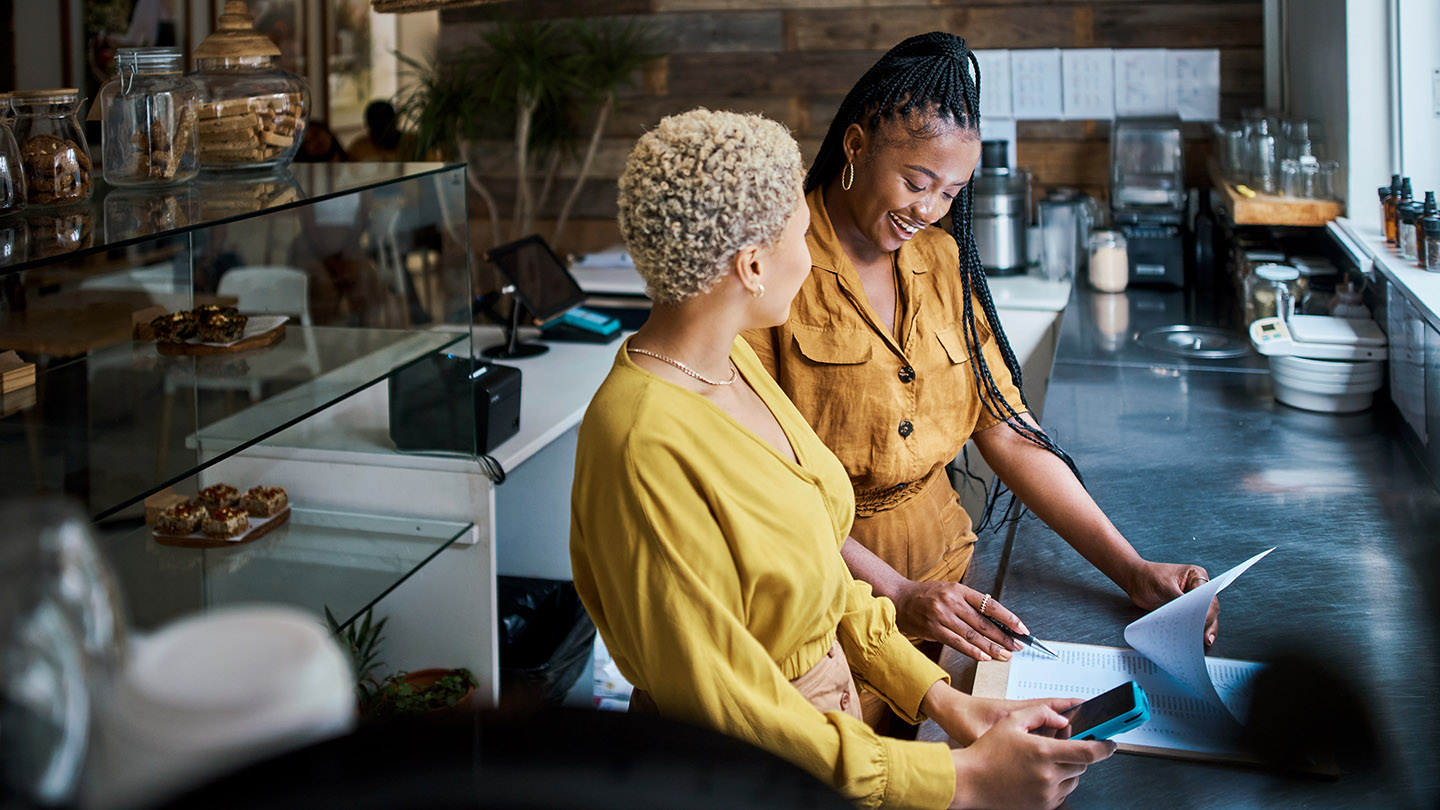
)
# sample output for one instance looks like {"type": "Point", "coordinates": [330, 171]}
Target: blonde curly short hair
{"type": "Point", "coordinates": [698, 188]}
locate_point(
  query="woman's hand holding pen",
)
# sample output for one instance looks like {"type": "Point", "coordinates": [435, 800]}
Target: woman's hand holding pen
{"type": "Point", "coordinates": [1010, 767]}
{"type": "Point", "coordinates": [1153, 584]}
{"type": "Point", "coordinates": [949, 613]}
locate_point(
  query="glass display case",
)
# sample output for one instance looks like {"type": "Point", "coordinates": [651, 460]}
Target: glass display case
{"type": "Point", "coordinates": [346, 273]}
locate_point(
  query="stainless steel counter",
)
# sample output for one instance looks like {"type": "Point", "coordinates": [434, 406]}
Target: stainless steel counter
{"type": "Point", "coordinates": [1196, 462]}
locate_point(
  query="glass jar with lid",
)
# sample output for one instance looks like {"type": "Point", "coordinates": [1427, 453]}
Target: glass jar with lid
{"type": "Point", "coordinates": [1271, 290]}
{"type": "Point", "coordinates": [252, 114]}
{"type": "Point", "coordinates": [12, 175]}
{"type": "Point", "coordinates": [53, 152]}
{"type": "Point", "coordinates": [1109, 261]}
{"type": "Point", "coordinates": [149, 111]}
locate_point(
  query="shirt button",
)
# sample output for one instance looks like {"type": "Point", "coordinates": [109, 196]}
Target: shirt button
{"type": "Point", "coordinates": [844, 700]}
{"type": "Point", "coordinates": [906, 428]}
{"type": "Point", "coordinates": [906, 374]}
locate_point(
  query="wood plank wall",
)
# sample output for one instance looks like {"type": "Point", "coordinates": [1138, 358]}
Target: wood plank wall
{"type": "Point", "coordinates": [794, 60]}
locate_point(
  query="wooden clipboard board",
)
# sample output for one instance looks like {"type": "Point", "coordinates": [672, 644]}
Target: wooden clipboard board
{"type": "Point", "coordinates": [992, 678]}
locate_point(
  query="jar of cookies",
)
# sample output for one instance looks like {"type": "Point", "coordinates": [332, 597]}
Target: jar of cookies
{"type": "Point", "coordinates": [53, 151]}
{"type": "Point", "coordinates": [149, 109]}
{"type": "Point", "coordinates": [252, 114]}
{"type": "Point", "coordinates": [12, 176]}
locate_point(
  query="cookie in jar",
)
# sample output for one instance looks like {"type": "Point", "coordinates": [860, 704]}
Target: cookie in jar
{"type": "Point", "coordinates": [149, 109]}
{"type": "Point", "coordinates": [53, 152]}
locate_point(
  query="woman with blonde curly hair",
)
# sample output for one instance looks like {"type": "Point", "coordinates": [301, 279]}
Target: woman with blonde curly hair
{"type": "Point", "coordinates": [707, 517]}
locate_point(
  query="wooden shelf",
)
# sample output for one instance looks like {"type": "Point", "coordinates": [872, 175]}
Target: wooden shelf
{"type": "Point", "coordinates": [1273, 209]}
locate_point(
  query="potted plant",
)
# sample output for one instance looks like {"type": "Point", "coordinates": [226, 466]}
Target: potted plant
{"type": "Point", "coordinates": [361, 640]}
{"type": "Point", "coordinates": [538, 85]}
{"type": "Point", "coordinates": [423, 691]}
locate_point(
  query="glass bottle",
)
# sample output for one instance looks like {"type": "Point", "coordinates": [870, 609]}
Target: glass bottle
{"type": "Point", "coordinates": [1432, 243]}
{"type": "Point", "coordinates": [53, 152]}
{"type": "Point", "coordinates": [12, 175]}
{"type": "Point", "coordinates": [1109, 261]}
{"type": "Point", "coordinates": [149, 119]}
{"type": "Point", "coordinates": [1426, 210]}
{"type": "Point", "coordinates": [1399, 198]}
{"type": "Point", "coordinates": [252, 113]}
{"type": "Point", "coordinates": [1384, 195]}
{"type": "Point", "coordinates": [1391, 200]}
{"type": "Point", "coordinates": [1409, 212]}
{"type": "Point", "coordinates": [1265, 164]}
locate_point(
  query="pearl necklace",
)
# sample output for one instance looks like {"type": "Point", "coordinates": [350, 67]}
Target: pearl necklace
{"type": "Point", "coordinates": [686, 369]}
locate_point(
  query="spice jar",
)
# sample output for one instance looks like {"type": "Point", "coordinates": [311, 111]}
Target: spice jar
{"type": "Point", "coordinates": [252, 114]}
{"type": "Point", "coordinates": [1266, 287]}
{"type": "Point", "coordinates": [1408, 213]}
{"type": "Point", "coordinates": [53, 151]}
{"type": "Point", "coordinates": [12, 175]}
{"type": "Point", "coordinates": [149, 109]}
{"type": "Point", "coordinates": [1109, 261]}
{"type": "Point", "coordinates": [1432, 243]}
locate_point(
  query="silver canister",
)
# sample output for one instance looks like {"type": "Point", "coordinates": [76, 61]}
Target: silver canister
{"type": "Point", "coordinates": [1002, 211]}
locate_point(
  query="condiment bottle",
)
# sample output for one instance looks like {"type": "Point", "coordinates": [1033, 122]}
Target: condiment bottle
{"type": "Point", "coordinates": [1432, 243]}
{"type": "Point", "coordinates": [1384, 195]}
{"type": "Point", "coordinates": [1409, 212]}
{"type": "Point", "coordinates": [1392, 219]}
{"type": "Point", "coordinates": [1109, 261]}
{"type": "Point", "coordinates": [1428, 210]}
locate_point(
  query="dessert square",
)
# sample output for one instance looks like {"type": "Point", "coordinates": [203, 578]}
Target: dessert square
{"type": "Point", "coordinates": [217, 496]}
{"type": "Point", "coordinates": [264, 501]}
{"type": "Point", "coordinates": [227, 521]}
{"type": "Point", "coordinates": [177, 327]}
{"type": "Point", "coordinates": [182, 518]}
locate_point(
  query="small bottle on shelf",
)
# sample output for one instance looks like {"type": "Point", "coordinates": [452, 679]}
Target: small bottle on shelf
{"type": "Point", "coordinates": [1384, 210]}
{"type": "Point", "coordinates": [1409, 213]}
{"type": "Point", "coordinates": [1432, 244]}
{"type": "Point", "coordinates": [1427, 210]}
{"type": "Point", "coordinates": [1388, 216]}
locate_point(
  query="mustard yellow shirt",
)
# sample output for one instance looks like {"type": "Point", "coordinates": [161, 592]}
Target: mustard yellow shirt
{"type": "Point", "coordinates": [710, 564]}
{"type": "Point", "coordinates": [893, 406]}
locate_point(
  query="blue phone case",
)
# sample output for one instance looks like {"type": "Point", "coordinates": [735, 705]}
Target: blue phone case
{"type": "Point", "coordinates": [1137, 713]}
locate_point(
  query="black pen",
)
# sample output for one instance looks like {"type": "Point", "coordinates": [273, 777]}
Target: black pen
{"type": "Point", "coordinates": [1023, 638]}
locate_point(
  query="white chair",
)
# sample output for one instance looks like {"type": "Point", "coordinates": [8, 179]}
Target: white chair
{"type": "Point", "coordinates": [268, 290]}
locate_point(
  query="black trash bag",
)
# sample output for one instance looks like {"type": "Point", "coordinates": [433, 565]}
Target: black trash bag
{"type": "Point", "coordinates": [546, 640]}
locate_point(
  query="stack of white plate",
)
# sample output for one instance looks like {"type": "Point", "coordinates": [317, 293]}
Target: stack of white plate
{"type": "Point", "coordinates": [1331, 386]}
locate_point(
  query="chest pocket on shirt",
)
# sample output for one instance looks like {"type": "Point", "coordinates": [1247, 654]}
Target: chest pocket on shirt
{"type": "Point", "coordinates": [952, 338]}
{"type": "Point", "coordinates": [845, 347]}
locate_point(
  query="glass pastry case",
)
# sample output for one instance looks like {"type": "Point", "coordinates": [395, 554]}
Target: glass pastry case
{"type": "Point", "coordinates": [332, 277]}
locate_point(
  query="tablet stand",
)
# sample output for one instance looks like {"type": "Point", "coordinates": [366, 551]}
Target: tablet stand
{"type": "Point", "coordinates": [512, 347]}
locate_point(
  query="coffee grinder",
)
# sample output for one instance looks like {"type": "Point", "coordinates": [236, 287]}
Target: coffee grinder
{"type": "Point", "coordinates": [1147, 196]}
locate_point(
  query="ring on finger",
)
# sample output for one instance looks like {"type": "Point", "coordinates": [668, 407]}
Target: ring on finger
{"type": "Point", "coordinates": [984, 604]}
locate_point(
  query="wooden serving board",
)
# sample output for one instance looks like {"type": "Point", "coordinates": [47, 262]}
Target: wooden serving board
{"type": "Point", "coordinates": [259, 527]}
{"type": "Point", "coordinates": [270, 334]}
{"type": "Point", "coordinates": [15, 373]}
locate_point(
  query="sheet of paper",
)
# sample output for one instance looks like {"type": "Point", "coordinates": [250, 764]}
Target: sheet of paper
{"type": "Point", "coordinates": [1194, 84]}
{"type": "Point", "coordinates": [1089, 82]}
{"type": "Point", "coordinates": [994, 83]}
{"type": "Point", "coordinates": [1173, 636]}
{"type": "Point", "coordinates": [1178, 719]}
{"type": "Point", "coordinates": [1140, 82]}
{"type": "Point", "coordinates": [1035, 84]}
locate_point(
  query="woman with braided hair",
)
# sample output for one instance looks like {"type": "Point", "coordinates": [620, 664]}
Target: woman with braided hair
{"type": "Point", "coordinates": [894, 354]}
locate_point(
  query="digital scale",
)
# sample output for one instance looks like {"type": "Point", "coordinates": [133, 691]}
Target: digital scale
{"type": "Point", "coordinates": [1320, 337]}
{"type": "Point", "coordinates": [1322, 363]}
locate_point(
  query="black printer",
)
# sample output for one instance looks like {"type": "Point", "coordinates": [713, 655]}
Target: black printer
{"type": "Point", "coordinates": [431, 404]}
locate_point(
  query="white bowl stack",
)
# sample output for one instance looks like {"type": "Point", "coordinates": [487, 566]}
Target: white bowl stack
{"type": "Point", "coordinates": [1330, 386]}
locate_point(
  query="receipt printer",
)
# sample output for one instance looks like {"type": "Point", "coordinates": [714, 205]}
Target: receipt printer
{"type": "Point", "coordinates": [449, 402]}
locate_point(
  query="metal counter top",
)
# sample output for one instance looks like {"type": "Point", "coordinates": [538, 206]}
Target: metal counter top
{"type": "Point", "coordinates": [1196, 462]}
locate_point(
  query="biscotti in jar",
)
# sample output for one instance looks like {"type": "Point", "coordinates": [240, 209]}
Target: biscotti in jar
{"type": "Point", "coordinates": [251, 114]}
{"type": "Point", "coordinates": [148, 110]}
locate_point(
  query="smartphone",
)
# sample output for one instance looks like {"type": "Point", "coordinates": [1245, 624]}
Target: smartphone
{"type": "Point", "coordinates": [1123, 708]}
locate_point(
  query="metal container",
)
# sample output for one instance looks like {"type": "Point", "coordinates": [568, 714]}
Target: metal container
{"type": "Point", "coordinates": [1002, 211]}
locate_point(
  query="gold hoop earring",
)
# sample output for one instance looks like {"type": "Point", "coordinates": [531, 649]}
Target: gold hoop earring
{"type": "Point", "coordinates": [758, 292]}
{"type": "Point", "coordinates": [847, 176]}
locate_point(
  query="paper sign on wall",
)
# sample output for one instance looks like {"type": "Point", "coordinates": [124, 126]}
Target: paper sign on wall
{"type": "Point", "coordinates": [1088, 83]}
{"type": "Point", "coordinates": [1141, 86]}
{"type": "Point", "coordinates": [1194, 84]}
{"type": "Point", "coordinates": [1035, 84]}
{"type": "Point", "coordinates": [994, 83]}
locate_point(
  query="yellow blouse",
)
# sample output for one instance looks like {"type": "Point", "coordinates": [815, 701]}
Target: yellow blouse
{"type": "Point", "coordinates": [710, 564]}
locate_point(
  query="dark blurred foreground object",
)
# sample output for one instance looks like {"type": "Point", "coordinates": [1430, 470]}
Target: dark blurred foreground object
{"type": "Point", "coordinates": [555, 759]}
{"type": "Point", "coordinates": [546, 639]}
{"type": "Point", "coordinates": [1306, 717]}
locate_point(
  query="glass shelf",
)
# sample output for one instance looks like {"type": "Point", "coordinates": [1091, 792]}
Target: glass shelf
{"type": "Point", "coordinates": [317, 559]}
{"type": "Point", "coordinates": [121, 424]}
{"type": "Point", "coordinates": [116, 218]}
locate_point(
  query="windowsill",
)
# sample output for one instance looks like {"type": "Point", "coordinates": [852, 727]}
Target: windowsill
{"type": "Point", "coordinates": [1367, 246]}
